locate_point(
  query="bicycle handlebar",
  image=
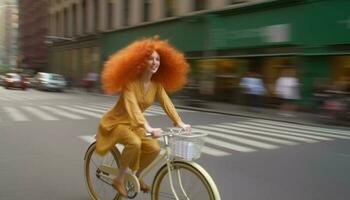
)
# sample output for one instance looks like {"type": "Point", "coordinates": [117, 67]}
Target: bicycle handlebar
{"type": "Point", "coordinates": [170, 132]}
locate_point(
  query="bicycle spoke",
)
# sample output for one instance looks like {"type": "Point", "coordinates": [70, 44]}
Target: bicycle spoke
{"type": "Point", "coordinates": [188, 184]}
{"type": "Point", "coordinates": [99, 183]}
{"type": "Point", "coordinates": [166, 195]}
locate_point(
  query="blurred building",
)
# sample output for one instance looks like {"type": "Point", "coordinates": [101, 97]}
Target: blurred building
{"type": "Point", "coordinates": [33, 28]}
{"type": "Point", "coordinates": [221, 39]}
{"type": "Point", "coordinates": [88, 21]}
{"type": "Point", "coordinates": [8, 32]}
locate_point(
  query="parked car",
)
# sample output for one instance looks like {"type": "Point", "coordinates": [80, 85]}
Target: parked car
{"type": "Point", "coordinates": [2, 77]}
{"type": "Point", "coordinates": [49, 81]}
{"type": "Point", "coordinates": [14, 80]}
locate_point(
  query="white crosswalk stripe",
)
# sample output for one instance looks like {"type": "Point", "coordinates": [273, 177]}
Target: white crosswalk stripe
{"type": "Point", "coordinates": [240, 140]}
{"type": "Point", "coordinates": [241, 137]}
{"type": "Point", "coordinates": [84, 112]}
{"type": "Point", "coordinates": [99, 110]}
{"type": "Point", "coordinates": [206, 150]}
{"type": "Point", "coordinates": [39, 113]}
{"type": "Point", "coordinates": [16, 114]}
{"type": "Point", "coordinates": [311, 133]}
{"type": "Point", "coordinates": [148, 112]}
{"type": "Point", "coordinates": [226, 129]}
{"type": "Point", "coordinates": [304, 127]}
{"type": "Point", "coordinates": [278, 130]}
{"type": "Point", "coordinates": [62, 113]}
{"type": "Point", "coordinates": [279, 134]}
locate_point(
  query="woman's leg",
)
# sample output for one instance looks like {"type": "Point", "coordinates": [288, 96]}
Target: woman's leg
{"type": "Point", "coordinates": [149, 151]}
{"type": "Point", "coordinates": [130, 156]}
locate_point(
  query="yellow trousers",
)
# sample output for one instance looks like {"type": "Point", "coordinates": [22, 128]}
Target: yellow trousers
{"type": "Point", "coordinates": [139, 150]}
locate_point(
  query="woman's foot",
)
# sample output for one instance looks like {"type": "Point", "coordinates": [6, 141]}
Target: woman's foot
{"type": "Point", "coordinates": [144, 187]}
{"type": "Point", "coordinates": [119, 186]}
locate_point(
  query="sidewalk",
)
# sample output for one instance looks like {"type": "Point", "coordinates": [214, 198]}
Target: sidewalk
{"type": "Point", "coordinates": [301, 118]}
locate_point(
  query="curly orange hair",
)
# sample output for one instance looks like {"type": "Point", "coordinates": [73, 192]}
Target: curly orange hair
{"type": "Point", "coordinates": [128, 63]}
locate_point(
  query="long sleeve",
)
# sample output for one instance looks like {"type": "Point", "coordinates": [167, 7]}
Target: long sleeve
{"type": "Point", "coordinates": [167, 105]}
{"type": "Point", "coordinates": [131, 106]}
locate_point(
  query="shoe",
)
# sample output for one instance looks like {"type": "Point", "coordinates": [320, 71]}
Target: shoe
{"type": "Point", "coordinates": [144, 187]}
{"type": "Point", "coordinates": [120, 188]}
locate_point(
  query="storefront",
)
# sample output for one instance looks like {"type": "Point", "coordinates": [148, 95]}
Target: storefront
{"type": "Point", "coordinates": [75, 59]}
{"type": "Point", "coordinates": [310, 37]}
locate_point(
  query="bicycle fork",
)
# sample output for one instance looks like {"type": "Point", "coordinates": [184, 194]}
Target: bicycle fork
{"type": "Point", "coordinates": [171, 178]}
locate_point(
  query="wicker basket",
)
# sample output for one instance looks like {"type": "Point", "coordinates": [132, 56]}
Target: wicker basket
{"type": "Point", "coordinates": [187, 146]}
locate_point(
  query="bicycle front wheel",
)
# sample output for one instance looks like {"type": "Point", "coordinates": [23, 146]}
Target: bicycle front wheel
{"type": "Point", "coordinates": [98, 181]}
{"type": "Point", "coordinates": [190, 181]}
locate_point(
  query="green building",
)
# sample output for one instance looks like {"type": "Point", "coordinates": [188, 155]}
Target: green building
{"type": "Point", "coordinates": [308, 37]}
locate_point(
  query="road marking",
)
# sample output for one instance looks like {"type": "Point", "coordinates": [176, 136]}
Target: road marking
{"type": "Point", "coordinates": [84, 112]}
{"type": "Point", "coordinates": [274, 140]}
{"type": "Point", "coordinates": [146, 113]}
{"type": "Point", "coordinates": [15, 114]}
{"type": "Point", "coordinates": [4, 98]}
{"type": "Point", "coordinates": [267, 126]}
{"type": "Point", "coordinates": [154, 111]}
{"type": "Point", "coordinates": [235, 138]}
{"type": "Point", "coordinates": [206, 150]}
{"type": "Point", "coordinates": [227, 145]}
{"type": "Point", "coordinates": [279, 130]}
{"type": "Point", "coordinates": [280, 134]}
{"type": "Point", "coordinates": [62, 112]}
{"type": "Point", "coordinates": [101, 107]}
{"type": "Point", "coordinates": [42, 115]}
{"type": "Point", "coordinates": [91, 109]}
{"type": "Point", "coordinates": [299, 126]}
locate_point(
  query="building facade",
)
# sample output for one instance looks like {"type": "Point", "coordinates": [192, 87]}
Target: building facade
{"type": "Point", "coordinates": [86, 21]}
{"type": "Point", "coordinates": [33, 29]}
{"type": "Point", "coordinates": [221, 39]}
{"type": "Point", "coordinates": [8, 32]}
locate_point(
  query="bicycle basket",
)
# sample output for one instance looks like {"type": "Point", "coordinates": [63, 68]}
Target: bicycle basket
{"type": "Point", "coordinates": [187, 147]}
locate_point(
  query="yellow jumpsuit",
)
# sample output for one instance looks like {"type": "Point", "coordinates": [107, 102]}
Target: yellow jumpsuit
{"type": "Point", "coordinates": [124, 124]}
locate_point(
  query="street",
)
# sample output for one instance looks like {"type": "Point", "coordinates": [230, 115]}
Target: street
{"type": "Point", "coordinates": [44, 136]}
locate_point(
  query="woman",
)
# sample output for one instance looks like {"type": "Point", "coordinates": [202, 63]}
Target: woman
{"type": "Point", "coordinates": [142, 71]}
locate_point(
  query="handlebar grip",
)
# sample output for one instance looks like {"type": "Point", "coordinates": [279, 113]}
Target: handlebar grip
{"type": "Point", "coordinates": [148, 134]}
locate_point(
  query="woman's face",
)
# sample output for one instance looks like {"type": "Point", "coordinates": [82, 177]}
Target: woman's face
{"type": "Point", "coordinates": [153, 62]}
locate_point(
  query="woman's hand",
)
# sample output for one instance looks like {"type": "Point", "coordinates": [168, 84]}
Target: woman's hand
{"type": "Point", "coordinates": [157, 132]}
{"type": "Point", "coordinates": [186, 127]}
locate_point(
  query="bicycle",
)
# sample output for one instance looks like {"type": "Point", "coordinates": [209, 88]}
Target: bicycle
{"type": "Point", "coordinates": [187, 180]}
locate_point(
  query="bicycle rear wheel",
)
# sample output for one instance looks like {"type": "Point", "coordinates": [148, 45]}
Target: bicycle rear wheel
{"type": "Point", "coordinates": [98, 182]}
{"type": "Point", "coordinates": [190, 181]}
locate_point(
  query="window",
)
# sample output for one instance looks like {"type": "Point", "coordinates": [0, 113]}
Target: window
{"type": "Point", "coordinates": [169, 8]}
{"type": "Point", "coordinates": [126, 12]}
{"type": "Point", "coordinates": [146, 7]}
{"type": "Point", "coordinates": [65, 22]}
{"type": "Point", "coordinates": [58, 23]}
{"type": "Point", "coordinates": [97, 14]}
{"type": "Point", "coordinates": [74, 19]}
{"type": "Point", "coordinates": [110, 17]}
{"type": "Point", "coordinates": [200, 5]}
{"type": "Point", "coordinates": [84, 17]}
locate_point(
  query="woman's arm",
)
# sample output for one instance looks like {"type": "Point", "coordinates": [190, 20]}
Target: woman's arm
{"type": "Point", "coordinates": [169, 108]}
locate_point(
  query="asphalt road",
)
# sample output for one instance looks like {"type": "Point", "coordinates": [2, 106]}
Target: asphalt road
{"type": "Point", "coordinates": [44, 136]}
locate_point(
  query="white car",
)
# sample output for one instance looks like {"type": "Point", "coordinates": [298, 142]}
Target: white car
{"type": "Point", "coordinates": [49, 81]}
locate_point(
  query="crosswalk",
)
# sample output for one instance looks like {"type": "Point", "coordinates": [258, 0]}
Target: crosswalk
{"type": "Point", "coordinates": [254, 135]}
{"type": "Point", "coordinates": [18, 95]}
{"type": "Point", "coordinates": [27, 113]}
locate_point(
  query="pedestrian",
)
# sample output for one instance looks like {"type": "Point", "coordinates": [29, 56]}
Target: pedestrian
{"type": "Point", "coordinates": [91, 79]}
{"type": "Point", "coordinates": [254, 90]}
{"type": "Point", "coordinates": [143, 70]}
{"type": "Point", "coordinates": [287, 89]}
